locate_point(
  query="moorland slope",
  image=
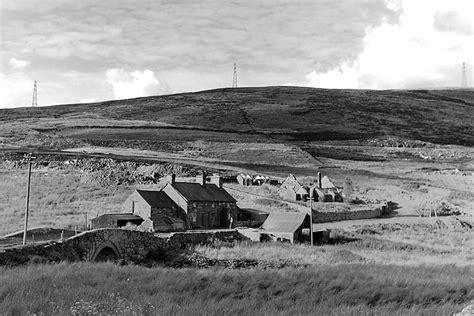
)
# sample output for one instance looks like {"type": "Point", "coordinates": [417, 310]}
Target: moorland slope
{"type": "Point", "coordinates": [264, 113]}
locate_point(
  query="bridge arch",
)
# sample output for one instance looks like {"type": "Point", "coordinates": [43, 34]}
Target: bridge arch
{"type": "Point", "coordinates": [106, 251]}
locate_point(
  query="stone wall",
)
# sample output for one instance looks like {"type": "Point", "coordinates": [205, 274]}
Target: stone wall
{"type": "Point", "coordinates": [376, 211]}
{"type": "Point", "coordinates": [323, 217]}
{"type": "Point", "coordinates": [183, 240]}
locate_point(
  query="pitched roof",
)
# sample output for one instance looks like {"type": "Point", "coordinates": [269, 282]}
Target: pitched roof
{"type": "Point", "coordinates": [326, 183]}
{"type": "Point", "coordinates": [293, 184]}
{"type": "Point", "coordinates": [156, 198]}
{"type": "Point", "coordinates": [284, 221]}
{"type": "Point", "coordinates": [121, 216]}
{"type": "Point", "coordinates": [197, 192]}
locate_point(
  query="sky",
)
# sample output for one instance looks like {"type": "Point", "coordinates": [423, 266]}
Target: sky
{"type": "Point", "coordinates": [90, 50]}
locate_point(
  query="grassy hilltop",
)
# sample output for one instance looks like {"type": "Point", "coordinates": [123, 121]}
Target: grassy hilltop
{"type": "Point", "coordinates": [263, 114]}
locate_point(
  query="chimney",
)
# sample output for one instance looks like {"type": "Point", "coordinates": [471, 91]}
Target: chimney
{"type": "Point", "coordinates": [201, 179]}
{"type": "Point", "coordinates": [171, 178]}
{"type": "Point", "coordinates": [320, 185]}
{"type": "Point", "coordinates": [217, 180]}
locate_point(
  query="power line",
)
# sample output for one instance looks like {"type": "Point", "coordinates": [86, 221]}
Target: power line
{"type": "Point", "coordinates": [35, 96]}
{"type": "Point", "coordinates": [234, 80]}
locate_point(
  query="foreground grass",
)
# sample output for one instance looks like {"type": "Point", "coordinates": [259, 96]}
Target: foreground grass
{"type": "Point", "coordinates": [85, 288]}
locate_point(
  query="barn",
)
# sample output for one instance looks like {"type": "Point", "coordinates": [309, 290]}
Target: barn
{"type": "Point", "coordinates": [159, 212]}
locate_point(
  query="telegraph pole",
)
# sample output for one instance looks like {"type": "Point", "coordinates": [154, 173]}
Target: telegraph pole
{"type": "Point", "coordinates": [311, 198]}
{"type": "Point", "coordinates": [28, 158]}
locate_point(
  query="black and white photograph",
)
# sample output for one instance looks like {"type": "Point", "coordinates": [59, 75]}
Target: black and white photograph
{"type": "Point", "coordinates": [236, 157]}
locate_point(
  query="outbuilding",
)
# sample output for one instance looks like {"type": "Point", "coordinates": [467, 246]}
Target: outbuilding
{"type": "Point", "coordinates": [159, 212]}
{"type": "Point", "coordinates": [285, 226]}
{"type": "Point", "coordinates": [116, 220]}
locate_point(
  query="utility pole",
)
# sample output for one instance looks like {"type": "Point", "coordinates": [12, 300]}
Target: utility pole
{"type": "Point", "coordinates": [28, 158]}
{"type": "Point", "coordinates": [234, 79]}
{"type": "Point", "coordinates": [311, 198]}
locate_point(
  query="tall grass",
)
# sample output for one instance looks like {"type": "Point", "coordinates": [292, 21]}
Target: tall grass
{"type": "Point", "coordinates": [58, 199]}
{"type": "Point", "coordinates": [84, 288]}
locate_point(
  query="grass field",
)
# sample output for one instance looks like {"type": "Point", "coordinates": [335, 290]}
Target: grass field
{"type": "Point", "coordinates": [58, 199]}
{"type": "Point", "coordinates": [91, 289]}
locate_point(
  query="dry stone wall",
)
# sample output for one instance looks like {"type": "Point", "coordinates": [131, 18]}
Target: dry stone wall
{"type": "Point", "coordinates": [323, 217]}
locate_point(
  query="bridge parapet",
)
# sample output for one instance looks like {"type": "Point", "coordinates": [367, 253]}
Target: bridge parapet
{"type": "Point", "coordinates": [115, 243]}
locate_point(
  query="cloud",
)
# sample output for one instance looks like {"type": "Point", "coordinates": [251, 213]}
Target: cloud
{"type": "Point", "coordinates": [338, 78]}
{"type": "Point", "coordinates": [18, 63]}
{"type": "Point", "coordinates": [16, 90]}
{"type": "Point", "coordinates": [452, 21]}
{"type": "Point", "coordinates": [412, 53]}
{"type": "Point", "coordinates": [135, 84]}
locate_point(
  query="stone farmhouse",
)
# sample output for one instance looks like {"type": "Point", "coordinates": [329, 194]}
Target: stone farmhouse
{"type": "Point", "coordinates": [206, 205]}
{"type": "Point", "coordinates": [184, 205]}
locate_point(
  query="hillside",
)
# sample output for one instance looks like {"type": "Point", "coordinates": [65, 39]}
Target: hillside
{"type": "Point", "coordinates": [266, 114]}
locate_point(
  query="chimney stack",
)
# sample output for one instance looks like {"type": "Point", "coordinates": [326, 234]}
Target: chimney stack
{"type": "Point", "coordinates": [320, 185]}
{"type": "Point", "coordinates": [201, 179]}
{"type": "Point", "coordinates": [217, 180]}
{"type": "Point", "coordinates": [171, 178]}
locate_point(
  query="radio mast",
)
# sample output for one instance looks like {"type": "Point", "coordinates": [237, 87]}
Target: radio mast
{"type": "Point", "coordinates": [35, 96]}
{"type": "Point", "coordinates": [234, 80]}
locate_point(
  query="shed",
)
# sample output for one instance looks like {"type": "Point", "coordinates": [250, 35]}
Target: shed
{"type": "Point", "coordinates": [116, 220]}
{"type": "Point", "coordinates": [286, 226]}
{"type": "Point", "coordinates": [163, 223]}
{"type": "Point", "coordinates": [251, 218]}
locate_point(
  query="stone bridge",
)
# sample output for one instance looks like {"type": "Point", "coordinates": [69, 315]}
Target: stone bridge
{"type": "Point", "coordinates": [113, 244]}
{"type": "Point", "coordinates": [95, 245]}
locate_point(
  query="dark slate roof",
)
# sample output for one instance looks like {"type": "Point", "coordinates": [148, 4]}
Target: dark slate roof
{"type": "Point", "coordinates": [204, 193]}
{"type": "Point", "coordinates": [121, 216]}
{"type": "Point", "coordinates": [156, 198]}
{"type": "Point", "coordinates": [287, 222]}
